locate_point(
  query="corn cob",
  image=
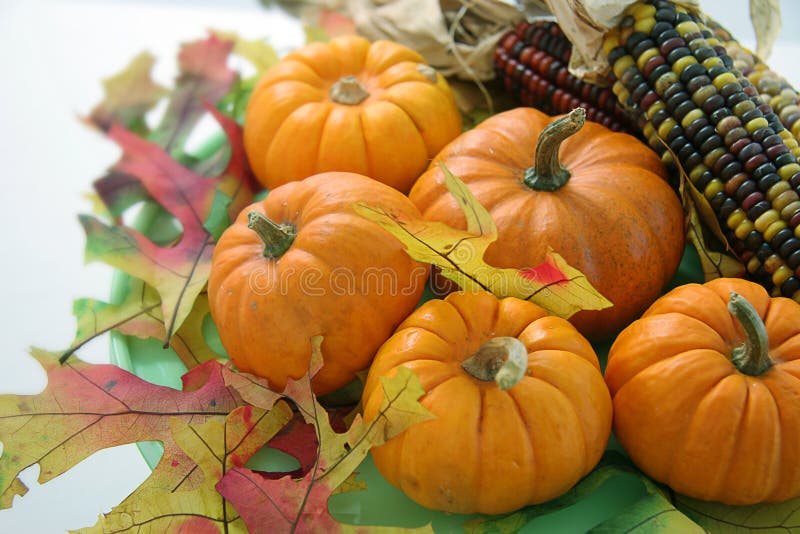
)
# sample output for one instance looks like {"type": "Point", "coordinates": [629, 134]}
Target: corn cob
{"type": "Point", "coordinates": [773, 88]}
{"type": "Point", "coordinates": [672, 69]}
{"type": "Point", "coordinates": [532, 61]}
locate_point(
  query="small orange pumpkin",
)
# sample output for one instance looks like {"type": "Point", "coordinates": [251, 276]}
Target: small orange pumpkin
{"type": "Point", "coordinates": [348, 105]}
{"type": "Point", "coordinates": [706, 389]}
{"type": "Point", "coordinates": [501, 439]}
{"type": "Point", "coordinates": [608, 210]}
{"type": "Point", "coordinates": [302, 263]}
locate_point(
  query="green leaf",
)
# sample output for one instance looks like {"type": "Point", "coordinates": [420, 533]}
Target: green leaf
{"type": "Point", "coordinates": [652, 513]}
{"type": "Point", "coordinates": [724, 519]}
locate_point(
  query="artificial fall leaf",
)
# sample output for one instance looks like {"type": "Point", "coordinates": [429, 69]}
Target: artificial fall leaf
{"type": "Point", "coordinates": [553, 285]}
{"type": "Point", "coordinates": [129, 95]}
{"type": "Point", "coordinates": [300, 505]}
{"type": "Point", "coordinates": [258, 52]}
{"type": "Point", "coordinates": [85, 408]}
{"type": "Point", "coordinates": [215, 447]}
{"type": "Point", "coordinates": [724, 519]}
{"type": "Point", "coordinates": [139, 315]}
{"type": "Point", "coordinates": [204, 77]}
{"type": "Point", "coordinates": [178, 271]}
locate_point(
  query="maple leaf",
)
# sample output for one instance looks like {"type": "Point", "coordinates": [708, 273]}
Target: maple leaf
{"type": "Point", "coordinates": [129, 95]}
{"type": "Point", "coordinates": [139, 314]}
{"type": "Point", "coordinates": [300, 505]}
{"type": "Point", "coordinates": [85, 408]}
{"type": "Point", "coordinates": [553, 285]}
{"type": "Point", "coordinates": [179, 271]}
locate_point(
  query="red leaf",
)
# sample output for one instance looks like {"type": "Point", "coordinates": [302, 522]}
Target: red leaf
{"type": "Point", "coordinates": [86, 408]}
{"type": "Point", "coordinates": [297, 439]}
{"type": "Point", "coordinates": [546, 273]}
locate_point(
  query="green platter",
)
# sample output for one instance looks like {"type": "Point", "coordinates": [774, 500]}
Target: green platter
{"type": "Point", "coordinates": [380, 503]}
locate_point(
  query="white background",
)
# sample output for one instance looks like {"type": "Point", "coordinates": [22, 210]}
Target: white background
{"type": "Point", "coordinates": [53, 56]}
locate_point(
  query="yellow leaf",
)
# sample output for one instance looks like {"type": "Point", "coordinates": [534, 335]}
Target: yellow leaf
{"type": "Point", "coordinates": [553, 285]}
{"type": "Point", "coordinates": [256, 51]}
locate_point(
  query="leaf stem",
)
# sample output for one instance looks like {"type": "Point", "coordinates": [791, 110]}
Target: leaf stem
{"type": "Point", "coordinates": [503, 360]}
{"type": "Point", "coordinates": [547, 174]}
{"type": "Point", "coordinates": [752, 356]}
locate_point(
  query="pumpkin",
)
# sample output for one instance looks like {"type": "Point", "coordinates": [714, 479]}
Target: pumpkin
{"type": "Point", "coordinates": [302, 263]}
{"type": "Point", "coordinates": [348, 105]}
{"type": "Point", "coordinates": [706, 392]}
{"type": "Point", "coordinates": [602, 203]}
{"type": "Point", "coordinates": [521, 409]}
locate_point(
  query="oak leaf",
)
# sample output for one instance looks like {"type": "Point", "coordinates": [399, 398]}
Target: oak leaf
{"type": "Point", "coordinates": [553, 285]}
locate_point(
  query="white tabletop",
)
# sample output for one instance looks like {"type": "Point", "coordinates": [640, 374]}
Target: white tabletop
{"type": "Point", "coordinates": [53, 56]}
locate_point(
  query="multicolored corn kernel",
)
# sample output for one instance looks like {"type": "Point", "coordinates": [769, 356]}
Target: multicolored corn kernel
{"type": "Point", "coordinates": [532, 60]}
{"type": "Point", "coordinates": [694, 101]}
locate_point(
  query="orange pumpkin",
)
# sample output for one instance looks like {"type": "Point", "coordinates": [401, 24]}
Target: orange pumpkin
{"type": "Point", "coordinates": [302, 263]}
{"type": "Point", "coordinates": [608, 210]}
{"type": "Point", "coordinates": [706, 389]}
{"type": "Point", "coordinates": [501, 439]}
{"type": "Point", "coordinates": [348, 105]}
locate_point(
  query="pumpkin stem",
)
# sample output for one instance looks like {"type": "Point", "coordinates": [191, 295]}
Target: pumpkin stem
{"type": "Point", "coordinates": [752, 357]}
{"type": "Point", "coordinates": [501, 359]}
{"type": "Point", "coordinates": [547, 174]}
{"type": "Point", "coordinates": [349, 91]}
{"type": "Point", "coordinates": [277, 238]}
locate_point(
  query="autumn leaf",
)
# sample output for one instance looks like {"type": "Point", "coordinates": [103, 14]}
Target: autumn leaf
{"type": "Point", "coordinates": [204, 76]}
{"type": "Point", "coordinates": [129, 95]}
{"type": "Point", "coordinates": [139, 315]}
{"type": "Point", "coordinates": [85, 408]}
{"type": "Point", "coordinates": [178, 271]}
{"type": "Point", "coordinates": [214, 448]}
{"type": "Point", "coordinates": [300, 505]}
{"type": "Point", "coordinates": [724, 519]}
{"type": "Point", "coordinates": [553, 285]}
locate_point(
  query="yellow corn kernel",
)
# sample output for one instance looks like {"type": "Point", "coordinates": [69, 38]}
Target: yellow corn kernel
{"type": "Point", "coordinates": [687, 27]}
{"type": "Point", "coordinates": [723, 79]}
{"type": "Point", "coordinates": [642, 11]}
{"type": "Point", "coordinates": [765, 219]}
{"type": "Point", "coordinates": [713, 187]}
{"type": "Point", "coordinates": [682, 63]}
{"type": "Point", "coordinates": [611, 41]}
{"type": "Point", "coordinates": [644, 25]}
{"type": "Point", "coordinates": [753, 264]}
{"type": "Point", "coordinates": [787, 110]}
{"type": "Point", "coordinates": [796, 129]}
{"type": "Point", "coordinates": [622, 64]}
{"type": "Point", "coordinates": [652, 110]}
{"type": "Point", "coordinates": [744, 228]}
{"type": "Point", "coordinates": [713, 156]}
{"type": "Point", "coordinates": [773, 263]}
{"type": "Point", "coordinates": [697, 172]}
{"type": "Point", "coordinates": [777, 189]}
{"type": "Point", "coordinates": [773, 229]}
{"type": "Point", "coordinates": [703, 94]}
{"type": "Point", "coordinates": [735, 219]}
{"type": "Point", "coordinates": [756, 124]}
{"type": "Point", "coordinates": [645, 56]}
{"type": "Point", "coordinates": [788, 211]}
{"type": "Point", "coordinates": [743, 107]}
{"type": "Point", "coordinates": [788, 170]}
{"type": "Point", "coordinates": [713, 62]}
{"type": "Point", "coordinates": [782, 199]}
{"type": "Point", "coordinates": [667, 159]}
{"type": "Point", "coordinates": [781, 274]}
{"type": "Point", "coordinates": [666, 126]}
{"type": "Point", "coordinates": [690, 117]}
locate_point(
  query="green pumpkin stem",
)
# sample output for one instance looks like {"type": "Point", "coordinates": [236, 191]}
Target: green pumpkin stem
{"type": "Point", "coordinates": [348, 91]}
{"type": "Point", "coordinates": [501, 359]}
{"type": "Point", "coordinates": [751, 357]}
{"type": "Point", "coordinates": [547, 174]}
{"type": "Point", "coordinates": [277, 238]}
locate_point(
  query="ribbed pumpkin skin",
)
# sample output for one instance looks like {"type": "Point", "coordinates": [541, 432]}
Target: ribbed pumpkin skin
{"type": "Point", "coordinates": [330, 282]}
{"type": "Point", "coordinates": [616, 219]}
{"type": "Point", "coordinates": [688, 417]}
{"type": "Point", "coordinates": [488, 450]}
{"type": "Point", "coordinates": [294, 129]}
